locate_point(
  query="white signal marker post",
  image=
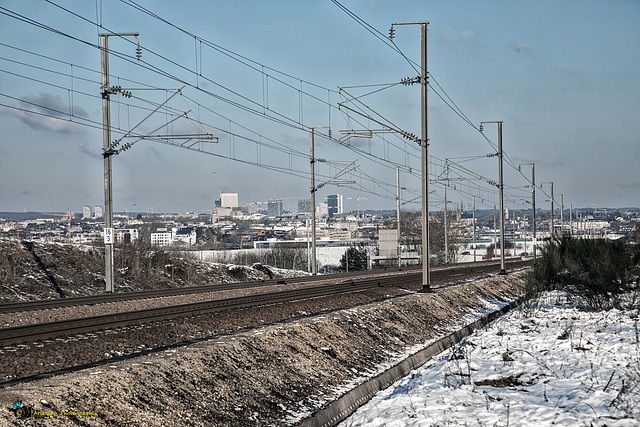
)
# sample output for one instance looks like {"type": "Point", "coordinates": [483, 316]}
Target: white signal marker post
{"type": "Point", "coordinates": [108, 236]}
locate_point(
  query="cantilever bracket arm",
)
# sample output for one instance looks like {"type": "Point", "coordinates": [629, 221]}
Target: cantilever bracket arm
{"type": "Point", "coordinates": [118, 141]}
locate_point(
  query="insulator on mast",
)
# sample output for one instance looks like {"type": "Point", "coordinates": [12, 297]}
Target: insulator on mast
{"type": "Point", "coordinates": [410, 80]}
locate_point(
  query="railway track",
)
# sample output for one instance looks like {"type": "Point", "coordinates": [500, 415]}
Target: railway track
{"type": "Point", "coordinates": [158, 293]}
{"type": "Point", "coordinates": [42, 331]}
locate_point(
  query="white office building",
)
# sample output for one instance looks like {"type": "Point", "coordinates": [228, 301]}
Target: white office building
{"type": "Point", "coordinates": [161, 237]}
{"type": "Point", "coordinates": [165, 237]}
{"type": "Point", "coordinates": [126, 235]}
{"type": "Point", "coordinates": [229, 200]}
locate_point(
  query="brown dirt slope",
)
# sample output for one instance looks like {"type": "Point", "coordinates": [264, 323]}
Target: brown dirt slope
{"type": "Point", "coordinates": [267, 376]}
{"type": "Point", "coordinates": [32, 271]}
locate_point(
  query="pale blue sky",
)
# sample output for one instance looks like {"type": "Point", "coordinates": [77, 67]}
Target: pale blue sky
{"type": "Point", "coordinates": [562, 75]}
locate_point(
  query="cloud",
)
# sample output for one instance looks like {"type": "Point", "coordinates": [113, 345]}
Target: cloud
{"type": "Point", "coordinates": [628, 186]}
{"type": "Point", "coordinates": [523, 47]}
{"type": "Point", "coordinates": [539, 162]}
{"type": "Point", "coordinates": [154, 151]}
{"type": "Point", "coordinates": [556, 164]}
{"type": "Point", "coordinates": [453, 37]}
{"type": "Point", "coordinates": [47, 112]}
{"type": "Point", "coordinates": [561, 66]}
{"type": "Point", "coordinates": [92, 151]}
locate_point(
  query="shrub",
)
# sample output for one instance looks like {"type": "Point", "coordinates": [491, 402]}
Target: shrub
{"type": "Point", "coordinates": [292, 256]}
{"type": "Point", "coordinates": [596, 271]}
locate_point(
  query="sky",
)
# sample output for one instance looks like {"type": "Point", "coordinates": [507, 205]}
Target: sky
{"type": "Point", "coordinates": [562, 76]}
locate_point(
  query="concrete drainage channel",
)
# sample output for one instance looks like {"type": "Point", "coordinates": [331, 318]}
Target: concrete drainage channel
{"type": "Point", "coordinates": [340, 409]}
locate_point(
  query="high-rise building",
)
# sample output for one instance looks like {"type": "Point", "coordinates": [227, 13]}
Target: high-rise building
{"type": "Point", "coordinates": [274, 208]}
{"type": "Point", "coordinates": [86, 212]}
{"type": "Point", "coordinates": [335, 204]}
{"type": "Point", "coordinates": [98, 212]}
{"type": "Point", "coordinates": [229, 200]}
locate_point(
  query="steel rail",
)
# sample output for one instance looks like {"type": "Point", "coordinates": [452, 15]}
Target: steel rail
{"type": "Point", "coordinates": [157, 293]}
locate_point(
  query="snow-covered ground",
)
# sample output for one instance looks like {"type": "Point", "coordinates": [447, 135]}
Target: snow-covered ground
{"type": "Point", "coordinates": [328, 256]}
{"type": "Point", "coordinates": [554, 365]}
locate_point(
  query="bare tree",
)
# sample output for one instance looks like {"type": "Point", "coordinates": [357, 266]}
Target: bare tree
{"type": "Point", "coordinates": [411, 230]}
{"type": "Point", "coordinates": [437, 237]}
{"type": "Point", "coordinates": [411, 234]}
